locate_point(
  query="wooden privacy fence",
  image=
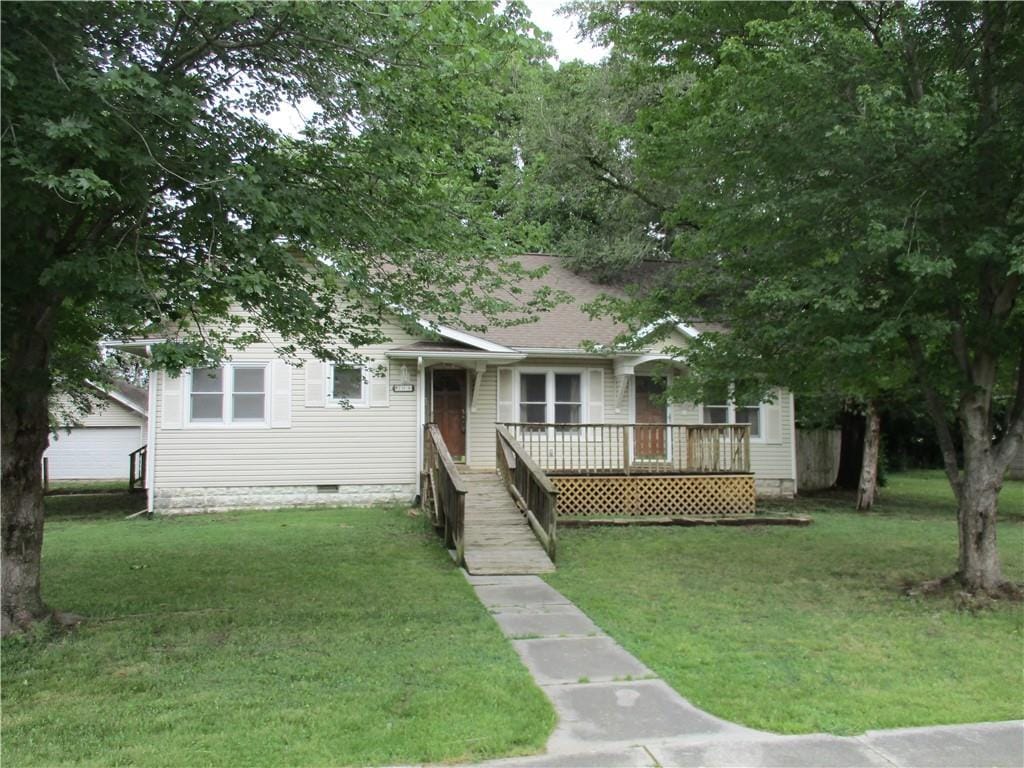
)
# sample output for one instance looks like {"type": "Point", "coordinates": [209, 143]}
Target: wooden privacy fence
{"type": "Point", "coordinates": [635, 449]}
{"type": "Point", "coordinates": [531, 489]}
{"type": "Point", "coordinates": [817, 458]}
{"type": "Point", "coordinates": [444, 494]}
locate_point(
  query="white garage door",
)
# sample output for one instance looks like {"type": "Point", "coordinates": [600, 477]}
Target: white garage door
{"type": "Point", "coordinates": [92, 452]}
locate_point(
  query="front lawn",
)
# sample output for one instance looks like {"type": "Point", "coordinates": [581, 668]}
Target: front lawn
{"type": "Point", "coordinates": [326, 637]}
{"type": "Point", "coordinates": [110, 504]}
{"type": "Point", "coordinates": [800, 630]}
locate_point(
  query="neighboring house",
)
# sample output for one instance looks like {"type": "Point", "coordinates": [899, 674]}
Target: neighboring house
{"type": "Point", "coordinates": [258, 432]}
{"type": "Point", "coordinates": [96, 446]}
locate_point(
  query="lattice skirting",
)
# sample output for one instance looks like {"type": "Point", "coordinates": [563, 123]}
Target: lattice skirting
{"type": "Point", "coordinates": [648, 495]}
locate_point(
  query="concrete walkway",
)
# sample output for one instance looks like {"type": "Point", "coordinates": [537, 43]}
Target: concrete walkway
{"type": "Point", "coordinates": [613, 711]}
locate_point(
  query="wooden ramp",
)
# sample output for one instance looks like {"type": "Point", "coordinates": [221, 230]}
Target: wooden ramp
{"type": "Point", "coordinates": [498, 539]}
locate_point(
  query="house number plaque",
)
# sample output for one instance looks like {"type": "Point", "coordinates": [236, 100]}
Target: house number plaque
{"type": "Point", "coordinates": [403, 388]}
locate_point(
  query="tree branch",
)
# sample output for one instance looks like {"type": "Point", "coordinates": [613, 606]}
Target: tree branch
{"type": "Point", "coordinates": [1011, 440]}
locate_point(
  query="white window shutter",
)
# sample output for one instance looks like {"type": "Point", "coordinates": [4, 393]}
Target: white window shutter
{"type": "Point", "coordinates": [280, 394]}
{"type": "Point", "coordinates": [595, 397]}
{"type": "Point", "coordinates": [506, 395]}
{"type": "Point", "coordinates": [316, 384]}
{"type": "Point", "coordinates": [174, 401]}
{"type": "Point", "coordinates": [772, 414]}
{"type": "Point", "coordinates": [380, 383]}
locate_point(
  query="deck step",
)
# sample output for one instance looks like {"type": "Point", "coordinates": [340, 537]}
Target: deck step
{"type": "Point", "coordinates": [498, 539]}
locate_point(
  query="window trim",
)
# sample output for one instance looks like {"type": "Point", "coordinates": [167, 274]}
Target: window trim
{"type": "Point", "coordinates": [340, 402]}
{"type": "Point", "coordinates": [227, 394]}
{"type": "Point", "coordinates": [549, 394]}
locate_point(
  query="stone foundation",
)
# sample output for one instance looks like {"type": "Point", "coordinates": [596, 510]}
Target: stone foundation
{"type": "Point", "coordinates": [185, 501]}
{"type": "Point", "coordinates": [771, 488]}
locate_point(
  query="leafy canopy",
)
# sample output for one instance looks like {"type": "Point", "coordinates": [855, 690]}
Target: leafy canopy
{"type": "Point", "coordinates": [143, 186]}
{"type": "Point", "coordinates": [853, 176]}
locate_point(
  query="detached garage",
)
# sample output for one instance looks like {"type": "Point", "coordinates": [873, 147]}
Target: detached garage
{"type": "Point", "coordinates": [97, 446]}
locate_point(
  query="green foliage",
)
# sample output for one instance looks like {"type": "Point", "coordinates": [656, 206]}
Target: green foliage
{"type": "Point", "coordinates": [577, 193]}
{"type": "Point", "coordinates": [309, 637]}
{"type": "Point", "coordinates": [804, 630]}
{"type": "Point", "coordinates": [143, 187]}
{"type": "Point", "coordinates": [852, 174]}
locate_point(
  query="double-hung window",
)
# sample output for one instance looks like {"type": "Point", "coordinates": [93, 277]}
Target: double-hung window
{"type": "Point", "coordinates": [347, 384]}
{"type": "Point", "coordinates": [731, 413]}
{"type": "Point", "coordinates": [547, 397]}
{"type": "Point", "coordinates": [235, 393]}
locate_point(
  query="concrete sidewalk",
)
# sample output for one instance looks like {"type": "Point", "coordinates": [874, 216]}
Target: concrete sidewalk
{"type": "Point", "coordinates": [613, 711]}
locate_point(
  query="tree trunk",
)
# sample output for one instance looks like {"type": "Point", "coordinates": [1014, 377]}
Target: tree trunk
{"type": "Point", "coordinates": [867, 488]}
{"type": "Point", "coordinates": [978, 500]}
{"type": "Point", "coordinates": [24, 434]}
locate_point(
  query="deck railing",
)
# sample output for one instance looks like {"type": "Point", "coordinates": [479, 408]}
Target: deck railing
{"type": "Point", "coordinates": [530, 488]}
{"type": "Point", "coordinates": [607, 449]}
{"type": "Point", "coordinates": [444, 494]}
{"type": "Point", "coordinates": [137, 469]}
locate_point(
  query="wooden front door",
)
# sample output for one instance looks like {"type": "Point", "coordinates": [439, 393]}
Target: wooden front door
{"type": "Point", "coordinates": [649, 442]}
{"type": "Point", "coordinates": [449, 398]}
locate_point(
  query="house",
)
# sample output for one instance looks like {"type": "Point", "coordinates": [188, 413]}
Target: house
{"type": "Point", "coordinates": [260, 433]}
{"type": "Point", "coordinates": [97, 445]}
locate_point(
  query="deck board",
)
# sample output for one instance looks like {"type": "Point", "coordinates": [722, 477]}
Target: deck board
{"type": "Point", "coordinates": [498, 540]}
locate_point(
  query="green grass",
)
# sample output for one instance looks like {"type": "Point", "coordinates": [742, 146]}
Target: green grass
{"type": "Point", "coordinates": [87, 486]}
{"type": "Point", "coordinates": [799, 630]}
{"type": "Point", "coordinates": [118, 504]}
{"type": "Point", "coordinates": [326, 637]}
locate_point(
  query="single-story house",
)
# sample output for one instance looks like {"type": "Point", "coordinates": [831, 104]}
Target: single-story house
{"type": "Point", "coordinates": [259, 432]}
{"type": "Point", "coordinates": [97, 445]}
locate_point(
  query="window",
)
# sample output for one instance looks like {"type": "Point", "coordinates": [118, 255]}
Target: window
{"type": "Point", "coordinates": [735, 414]}
{"type": "Point", "coordinates": [208, 394]}
{"type": "Point", "coordinates": [568, 398]}
{"type": "Point", "coordinates": [546, 397]}
{"type": "Point", "coordinates": [248, 393]}
{"type": "Point", "coordinates": [347, 384]}
{"type": "Point", "coordinates": [749, 414]}
{"type": "Point", "coordinates": [235, 393]}
{"type": "Point", "coordinates": [533, 398]}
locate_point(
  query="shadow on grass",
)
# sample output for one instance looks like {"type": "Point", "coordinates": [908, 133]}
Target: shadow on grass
{"type": "Point", "coordinates": [917, 494]}
{"type": "Point", "coordinates": [93, 506]}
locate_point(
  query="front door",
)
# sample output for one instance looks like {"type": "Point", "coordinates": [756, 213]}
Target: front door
{"type": "Point", "coordinates": [649, 443]}
{"type": "Point", "coordinates": [449, 398]}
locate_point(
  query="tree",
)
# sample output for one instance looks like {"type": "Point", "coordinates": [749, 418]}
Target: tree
{"type": "Point", "coordinates": [142, 186]}
{"type": "Point", "coordinates": [576, 193]}
{"type": "Point", "coordinates": [853, 175]}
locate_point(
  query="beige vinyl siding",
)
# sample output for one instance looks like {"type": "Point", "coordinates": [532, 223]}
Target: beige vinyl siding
{"type": "Point", "coordinates": [481, 420]}
{"type": "Point", "coordinates": [108, 413]}
{"type": "Point", "coordinates": [481, 423]}
{"type": "Point", "coordinates": [767, 460]}
{"type": "Point", "coordinates": [323, 446]}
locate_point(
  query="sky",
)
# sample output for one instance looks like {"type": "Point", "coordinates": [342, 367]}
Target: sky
{"type": "Point", "coordinates": [290, 119]}
{"type": "Point", "coordinates": [563, 32]}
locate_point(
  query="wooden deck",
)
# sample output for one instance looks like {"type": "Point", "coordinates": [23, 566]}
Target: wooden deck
{"type": "Point", "coordinates": [498, 539]}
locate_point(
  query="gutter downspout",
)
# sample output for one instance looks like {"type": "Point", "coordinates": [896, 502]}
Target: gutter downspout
{"type": "Point", "coordinates": [150, 439]}
{"type": "Point", "coordinates": [420, 422]}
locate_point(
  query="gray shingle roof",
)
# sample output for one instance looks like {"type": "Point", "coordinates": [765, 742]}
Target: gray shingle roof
{"type": "Point", "coordinates": [565, 327]}
{"type": "Point", "coordinates": [568, 325]}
